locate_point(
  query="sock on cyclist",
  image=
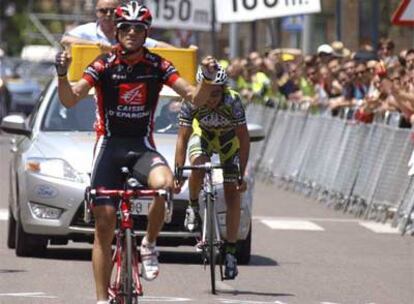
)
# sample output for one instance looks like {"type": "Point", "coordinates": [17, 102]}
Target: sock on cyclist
{"type": "Point", "coordinates": [146, 243]}
{"type": "Point", "coordinates": [193, 203]}
{"type": "Point", "coordinates": [230, 248]}
{"type": "Point", "coordinates": [102, 302]}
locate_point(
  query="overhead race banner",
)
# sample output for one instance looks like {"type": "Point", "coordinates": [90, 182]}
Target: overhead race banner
{"type": "Point", "coordinates": [181, 14]}
{"type": "Point", "coordinates": [228, 11]}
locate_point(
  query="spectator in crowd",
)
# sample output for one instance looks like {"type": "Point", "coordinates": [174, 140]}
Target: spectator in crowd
{"type": "Point", "coordinates": [361, 81]}
{"type": "Point", "coordinates": [386, 52]}
{"type": "Point", "coordinates": [339, 50]}
{"type": "Point", "coordinates": [364, 85]}
{"type": "Point", "coordinates": [334, 66]}
{"type": "Point", "coordinates": [325, 53]}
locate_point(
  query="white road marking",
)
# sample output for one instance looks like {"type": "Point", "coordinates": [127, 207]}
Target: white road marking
{"type": "Point", "coordinates": [28, 295]}
{"type": "Point", "coordinates": [292, 225]}
{"type": "Point", "coordinates": [163, 299]}
{"type": "Point", "coordinates": [231, 301]}
{"type": "Point", "coordinates": [313, 219]}
{"type": "Point", "coordinates": [4, 214]}
{"type": "Point", "coordinates": [379, 227]}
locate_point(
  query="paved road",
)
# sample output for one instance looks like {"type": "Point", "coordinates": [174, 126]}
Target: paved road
{"type": "Point", "coordinates": [303, 252]}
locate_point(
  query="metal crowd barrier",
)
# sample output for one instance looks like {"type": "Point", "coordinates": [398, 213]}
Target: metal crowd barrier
{"type": "Point", "coordinates": [355, 167]}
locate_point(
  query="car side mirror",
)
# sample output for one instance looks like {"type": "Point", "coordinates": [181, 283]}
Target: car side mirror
{"type": "Point", "coordinates": [15, 124]}
{"type": "Point", "coordinates": [256, 132]}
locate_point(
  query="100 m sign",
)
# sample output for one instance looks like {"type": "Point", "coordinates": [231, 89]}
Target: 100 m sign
{"type": "Point", "coordinates": [252, 4]}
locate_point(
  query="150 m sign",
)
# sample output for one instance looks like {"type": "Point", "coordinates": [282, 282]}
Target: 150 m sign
{"type": "Point", "coordinates": [181, 14]}
{"type": "Point", "coordinates": [249, 10]}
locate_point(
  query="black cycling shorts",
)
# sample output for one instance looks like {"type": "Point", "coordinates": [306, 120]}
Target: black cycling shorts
{"type": "Point", "coordinates": [110, 157]}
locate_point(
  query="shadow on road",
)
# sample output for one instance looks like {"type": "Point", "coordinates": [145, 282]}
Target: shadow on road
{"type": "Point", "coordinates": [166, 257]}
{"type": "Point", "coordinates": [258, 260]}
{"type": "Point", "coordinates": [76, 254]}
{"type": "Point", "coordinates": [174, 257]}
{"type": "Point", "coordinates": [11, 271]}
{"type": "Point", "coordinates": [256, 293]}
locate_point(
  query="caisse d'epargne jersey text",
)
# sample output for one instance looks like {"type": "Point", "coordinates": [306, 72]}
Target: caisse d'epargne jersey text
{"type": "Point", "coordinates": [127, 92]}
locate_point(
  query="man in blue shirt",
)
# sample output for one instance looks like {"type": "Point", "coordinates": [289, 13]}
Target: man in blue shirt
{"type": "Point", "coordinates": [102, 32]}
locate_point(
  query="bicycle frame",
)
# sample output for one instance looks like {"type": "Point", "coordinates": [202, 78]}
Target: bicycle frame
{"type": "Point", "coordinates": [211, 242]}
{"type": "Point", "coordinates": [126, 286]}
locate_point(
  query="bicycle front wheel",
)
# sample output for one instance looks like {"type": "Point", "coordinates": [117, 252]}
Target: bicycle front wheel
{"type": "Point", "coordinates": [127, 269]}
{"type": "Point", "coordinates": [211, 240]}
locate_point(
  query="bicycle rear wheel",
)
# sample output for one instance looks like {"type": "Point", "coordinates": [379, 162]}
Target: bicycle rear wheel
{"type": "Point", "coordinates": [211, 239]}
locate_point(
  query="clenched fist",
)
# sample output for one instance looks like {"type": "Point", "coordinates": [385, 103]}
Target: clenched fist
{"type": "Point", "coordinates": [209, 67]}
{"type": "Point", "coordinates": [62, 62]}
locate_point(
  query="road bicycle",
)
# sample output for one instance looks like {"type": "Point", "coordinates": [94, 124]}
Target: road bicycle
{"type": "Point", "coordinates": [211, 243]}
{"type": "Point", "coordinates": [125, 286]}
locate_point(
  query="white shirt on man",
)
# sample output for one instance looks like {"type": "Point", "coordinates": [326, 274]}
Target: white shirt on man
{"type": "Point", "coordinates": [93, 32]}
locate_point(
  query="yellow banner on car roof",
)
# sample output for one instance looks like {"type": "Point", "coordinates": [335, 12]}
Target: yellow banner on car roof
{"type": "Point", "coordinates": [185, 60]}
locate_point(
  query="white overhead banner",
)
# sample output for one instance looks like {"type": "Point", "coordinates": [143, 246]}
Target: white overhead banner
{"type": "Point", "coordinates": [228, 11]}
{"type": "Point", "coordinates": [181, 14]}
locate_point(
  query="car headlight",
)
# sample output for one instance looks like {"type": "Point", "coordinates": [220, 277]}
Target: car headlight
{"type": "Point", "coordinates": [54, 167]}
{"type": "Point", "coordinates": [45, 212]}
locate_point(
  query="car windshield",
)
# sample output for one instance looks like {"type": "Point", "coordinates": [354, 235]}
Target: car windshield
{"type": "Point", "coordinates": [82, 116]}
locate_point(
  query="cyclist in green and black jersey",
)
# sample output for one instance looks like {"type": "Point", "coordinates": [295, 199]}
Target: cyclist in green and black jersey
{"type": "Point", "coordinates": [218, 126]}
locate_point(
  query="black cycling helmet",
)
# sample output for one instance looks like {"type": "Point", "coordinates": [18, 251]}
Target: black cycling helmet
{"type": "Point", "coordinates": [133, 12]}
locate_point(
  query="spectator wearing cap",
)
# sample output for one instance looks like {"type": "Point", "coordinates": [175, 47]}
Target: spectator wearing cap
{"type": "Point", "coordinates": [339, 50]}
{"type": "Point", "coordinates": [325, 52]}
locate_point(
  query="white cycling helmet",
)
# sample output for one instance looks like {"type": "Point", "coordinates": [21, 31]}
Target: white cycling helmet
{"type": "Point", "coordinates": [219, 79]}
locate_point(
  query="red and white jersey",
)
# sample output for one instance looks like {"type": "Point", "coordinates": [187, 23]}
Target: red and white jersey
{"type": "Point", "coordinates": [127, 92]}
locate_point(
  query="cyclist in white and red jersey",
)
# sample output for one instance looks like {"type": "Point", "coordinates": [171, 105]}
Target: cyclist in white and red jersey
{"type": "Point", "coordinates": [127, 82]}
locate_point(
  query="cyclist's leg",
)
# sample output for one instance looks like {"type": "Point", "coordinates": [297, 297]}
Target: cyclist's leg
{"type": "Point", "coordinates": [232, 197]}
{"type": "Point", "coordinates": [104, 174]}
{"type": "Point", "coordinates": [228, 148]}
{"type": "Point", "coordinates": [160, 177]}
{"type": "Point", "coordinates": [199, 153]}
{"type": "Point", "coordinates": [233, 203]}
{"type": "Point", "coordinates": [195, 179]}
{"type": "Point", "coordinates": [105, 219]}
{"type": "Point", "coordinates": [152, 170]}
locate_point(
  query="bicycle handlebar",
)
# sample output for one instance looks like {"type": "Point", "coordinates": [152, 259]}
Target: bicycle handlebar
{"type": "Point", "coordinates": [208, 166]}
{"type": "Point", "coordinates": [129, 193]}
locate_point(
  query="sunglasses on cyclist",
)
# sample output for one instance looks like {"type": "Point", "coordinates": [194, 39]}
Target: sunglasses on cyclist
{"type": "Point", "coordinates": [126, 27]}
{"type": "Point", "coordinates": [106, 10]}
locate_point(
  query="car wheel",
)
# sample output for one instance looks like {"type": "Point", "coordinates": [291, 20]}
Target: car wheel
{"type": "Point", "coordinates": [244, 248]}
{"type": "Point", "coordinates": [28, 245]}
{"type": "Point", "coordinates": [11, 232]}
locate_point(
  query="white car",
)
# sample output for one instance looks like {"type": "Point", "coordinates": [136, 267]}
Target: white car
{"type": "Point", "coordinates": [50, 170]}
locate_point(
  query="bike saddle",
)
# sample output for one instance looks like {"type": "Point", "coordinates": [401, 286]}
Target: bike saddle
{"type": "Point", "coordinates": [130, 159]}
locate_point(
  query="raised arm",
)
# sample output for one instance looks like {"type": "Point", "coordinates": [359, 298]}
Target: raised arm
{"type": "Point", "coordinates": [69, 95]}
{"type": "Point", "coordinates": [199, 94]}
